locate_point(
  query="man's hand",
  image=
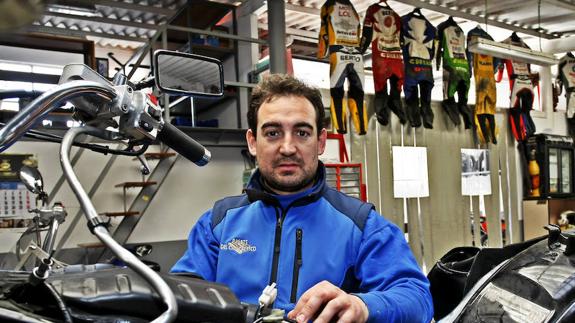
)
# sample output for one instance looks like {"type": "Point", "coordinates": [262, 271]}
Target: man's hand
{"type": "Point", "coordinates": [326, 302]}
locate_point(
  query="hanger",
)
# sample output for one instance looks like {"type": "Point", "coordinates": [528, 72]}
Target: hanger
{"type": "Point", "coordinates": [417, 11]}
{"type": "Point", "coordinates": [570, 54]}
{"type": "Point", "coordinates": [383, 4]}
{"type": "Point", "coordinates": [515, 37]}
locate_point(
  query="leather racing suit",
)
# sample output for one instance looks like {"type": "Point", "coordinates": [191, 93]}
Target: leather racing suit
{"type": "Point", "coordinates": [339, 37]}
{"type": "Point", "coordinates": [566, 78]}
{"type": "Point", "coordinates": [418, 47]}
{"type": "Point", "coordinates": [484, 67]}
{"type": "Point", "coordinates": [381, 28]}
{"type": "Point", "coordinates": [521, 81]}
{"type": "Point", "coordinates": [456, 71]}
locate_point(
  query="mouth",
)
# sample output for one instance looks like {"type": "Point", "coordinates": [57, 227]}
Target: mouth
{"type": "Point", "coordinates": [287, 167]}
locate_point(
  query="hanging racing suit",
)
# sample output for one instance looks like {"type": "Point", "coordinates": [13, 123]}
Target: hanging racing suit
{"type": "Point", "coordinates": [566, 78]}
{"type": "Point", "coordinates": [381, 28]}
{"type": "Point", "coordinates": [339, 37]}
{"type": "Point", "coordinates": [521, 81]}
{"type": "Point", "coordinates": [484, 67]}
{"type": "Point", "coordinates": [417, 37]}
{"type": "Point", "coordinates": [456, 74]}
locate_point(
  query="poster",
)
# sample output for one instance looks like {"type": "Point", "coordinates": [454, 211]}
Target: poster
{"type": "Point", "coordinates": [15, 199]}
{"type": "Point", "coordinates": [410, 177]}
{"type": "Point", "coordinates": [475, 173]}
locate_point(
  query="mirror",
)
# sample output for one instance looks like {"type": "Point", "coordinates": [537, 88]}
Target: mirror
{"type": "Point", "coordinates": [188, 74]}
{"type": "Point", "coordinates": [32, 178]}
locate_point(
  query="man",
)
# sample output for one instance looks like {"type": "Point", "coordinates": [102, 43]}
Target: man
{"type": "Point", "coordinates": [331, 253]}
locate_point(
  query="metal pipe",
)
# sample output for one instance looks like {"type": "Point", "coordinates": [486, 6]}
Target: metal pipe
{"type": "Point", "coordinates": [277, 36]}
{"type": "Point", "coordinates": [51, 235]}
{"type": "Point", "coordinates": [102, 233]}
{"type": "Point", "coordinates": [218, 34]}
{"type": "Point", "coordinates": [47, 102]}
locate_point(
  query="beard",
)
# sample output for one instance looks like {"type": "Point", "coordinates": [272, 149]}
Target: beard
{"type": "Point", "coordinates": [290, 181]}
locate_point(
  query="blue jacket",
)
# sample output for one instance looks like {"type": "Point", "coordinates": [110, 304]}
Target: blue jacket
{"type": "Point", "coordinates": [251, 240]}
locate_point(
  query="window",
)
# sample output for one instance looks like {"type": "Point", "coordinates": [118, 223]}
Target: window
{"type": "Point", "coordinates": [13, 104]}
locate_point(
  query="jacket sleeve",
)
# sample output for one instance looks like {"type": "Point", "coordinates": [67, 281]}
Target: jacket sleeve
{"type": "Point", "coordinates": [323, 38]}
{"type": "Point", "coordinates": [439, 42]}
{"type": "Point", "coordinates": [392, 284]}
{"type": "Point", "coordinates": [201, 256]}
{"type": "Point", "coordinates": [367, 32]}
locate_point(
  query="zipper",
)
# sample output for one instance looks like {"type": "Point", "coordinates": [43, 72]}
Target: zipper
{"type": "Point", "coordinates": [277, 245]}
{"type": "Point", "coordinates": [296, 264]}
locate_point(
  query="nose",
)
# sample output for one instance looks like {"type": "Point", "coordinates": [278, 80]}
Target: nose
{"type": "Point", "coordinates": [288, 146]}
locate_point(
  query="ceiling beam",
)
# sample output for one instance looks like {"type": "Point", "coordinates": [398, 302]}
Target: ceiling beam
{"type": "Point", "coordinates": [80, 33]}
{"type": "Point", "coordinates": [302, 9]}
{"type": "Point", "coordinates": [553, 19]}
{"type": "Point", "coordinates": [294, 31]}
{"type": "Point", "coordinates": [561, 4]}
{"type": "Point", "coordinates": [501, 6]}
{"type": "Point", "coordinates": [123, 5]}
{"type": "Point", "coordinates": [116, 22]}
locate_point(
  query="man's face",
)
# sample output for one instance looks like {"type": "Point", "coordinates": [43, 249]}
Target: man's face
{"type": "Point", "coordinates": [287, 145]}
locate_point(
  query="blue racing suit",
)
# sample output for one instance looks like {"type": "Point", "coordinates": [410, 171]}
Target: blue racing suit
{"type": "Point", "coordinates": [299, 240]}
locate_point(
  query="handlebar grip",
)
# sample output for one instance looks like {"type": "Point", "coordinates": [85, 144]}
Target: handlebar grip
{"type": "Point", "coordinates": [184, 145]}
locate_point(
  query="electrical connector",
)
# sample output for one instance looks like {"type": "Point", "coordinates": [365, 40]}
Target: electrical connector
{"type": "Point", "coordinates": [268, 295]}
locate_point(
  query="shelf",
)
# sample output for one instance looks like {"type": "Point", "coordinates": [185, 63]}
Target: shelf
{"type": "Point", "coordinates": [220, 53]}
{"type": "Point", "coordinates": [201, 105]}
{"type": "Point", "coordinates": [135, 184]}
{"type": "Point", "coordinates": [155, 156]}
{"type": "Point", "coordinates": [91, 245]}
{"type": "Point", "coordinates": [217, 137]}
{"type": "Point", "coordinates": [113, 214]}
{"type": "Point", "coordinates": [158, 155]}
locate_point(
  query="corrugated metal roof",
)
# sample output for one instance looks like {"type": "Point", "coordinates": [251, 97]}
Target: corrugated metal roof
{"type": "Point", "coordinates": [130, 23]}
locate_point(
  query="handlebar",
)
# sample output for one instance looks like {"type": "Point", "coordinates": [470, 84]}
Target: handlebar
{"type": "Point", "coordinates": [102, 233]}
{"type": "Point", "coordinates": [184, 145]}
{"type": "Point", "coordinates": [140, 122]}
{"type": "Point", "coordinates": [45, 103]}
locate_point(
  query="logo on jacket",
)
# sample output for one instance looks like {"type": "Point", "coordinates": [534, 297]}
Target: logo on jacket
{"type": "Point", "coordinates": [239, 246]}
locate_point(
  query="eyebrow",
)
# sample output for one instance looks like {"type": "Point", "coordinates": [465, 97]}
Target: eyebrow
{"type": "Point", "coordinates": [279, 125]}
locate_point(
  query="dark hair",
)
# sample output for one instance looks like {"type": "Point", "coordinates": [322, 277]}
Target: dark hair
{"type": "Point", "coordinates": [281, 85]}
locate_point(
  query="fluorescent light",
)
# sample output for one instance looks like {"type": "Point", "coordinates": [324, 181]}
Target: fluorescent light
{"type": "Point", "coordinates": [506, 51]}
{"type": "Point", "coordinates": [77, 11]}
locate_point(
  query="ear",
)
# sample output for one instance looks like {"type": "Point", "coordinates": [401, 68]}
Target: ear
{"type": "Point", "coordinates": [322, 141]}
{"type": "Point", "coordinates": [251, 140]}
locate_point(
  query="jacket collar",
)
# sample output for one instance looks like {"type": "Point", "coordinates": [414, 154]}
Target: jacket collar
{"type": "Point", "coordinates": [256, 191]}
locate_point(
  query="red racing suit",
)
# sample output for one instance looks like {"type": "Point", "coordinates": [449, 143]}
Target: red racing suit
{"type": "Point", "coordinates": [381, 28]}
{"type": "Point", "coordinates": [522, 82]}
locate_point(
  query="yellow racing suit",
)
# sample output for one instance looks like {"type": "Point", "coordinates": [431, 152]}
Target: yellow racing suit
{"type": "Point", "coordinates": [484, 67]}
{"type": "Point", "coordinates": [339, 37]}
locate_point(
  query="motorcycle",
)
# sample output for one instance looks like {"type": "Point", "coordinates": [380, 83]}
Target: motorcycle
{"type": "Point", "coordinates": [116, 111]}
{"type": "Point", "coordinates": [531, 281]}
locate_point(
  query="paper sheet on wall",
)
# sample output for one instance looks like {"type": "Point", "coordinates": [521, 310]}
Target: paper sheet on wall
{"type": "Point", "coordinates": [475, 173]}
{"type": "Point", "coordinates": [410, 172]}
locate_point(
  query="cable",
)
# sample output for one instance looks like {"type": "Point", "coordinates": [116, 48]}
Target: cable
{"type": "Point", "coordinates": [60, 302]}
{"type": "Point", "coordinates": [485, 16]}
{"type": "Point", "coordinates": [45, 136]}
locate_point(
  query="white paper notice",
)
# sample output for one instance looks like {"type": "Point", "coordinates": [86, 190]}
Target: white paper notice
{"type": "Point", "coordinates": [475, 173]}
{"type": "Point", "coordinates": [410, 172]}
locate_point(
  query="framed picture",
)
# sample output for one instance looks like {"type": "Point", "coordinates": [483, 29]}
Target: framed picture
{"type": "Point", "coordinates": [102, 66]}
